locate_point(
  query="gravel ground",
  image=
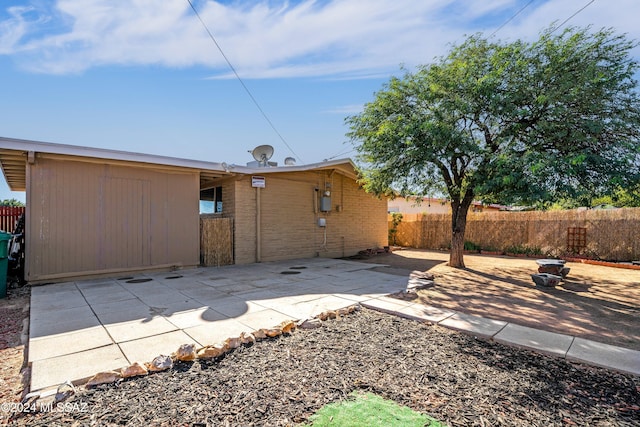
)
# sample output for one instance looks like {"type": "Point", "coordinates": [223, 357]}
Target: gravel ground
{"type": "Point", "coordinates": [453, 377]}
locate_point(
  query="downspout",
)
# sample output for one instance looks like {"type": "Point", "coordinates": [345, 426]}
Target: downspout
{"type": "Point", "coordinates": [258, 231]}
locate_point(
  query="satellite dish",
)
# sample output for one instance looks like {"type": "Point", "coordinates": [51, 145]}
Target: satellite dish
{"type": "Point", "coordinates": [262, 154]}
{"type": "Point", "coordinates": [290, 161]}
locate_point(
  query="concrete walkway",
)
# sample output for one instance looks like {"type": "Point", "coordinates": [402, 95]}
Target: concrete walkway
{"type": "Point", "coordinates": [80, 328]}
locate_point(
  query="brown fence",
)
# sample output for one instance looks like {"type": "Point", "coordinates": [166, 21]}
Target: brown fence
{"type": "Point", "coordinates": [607, 234]}
{"type": "Point", "coordinates": [8, 217]}
{"type": "Point", "coordinates": [216, 241]}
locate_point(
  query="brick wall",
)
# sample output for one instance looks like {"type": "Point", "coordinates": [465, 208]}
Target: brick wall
{"type": "Point", "coordinates": [289, 213]}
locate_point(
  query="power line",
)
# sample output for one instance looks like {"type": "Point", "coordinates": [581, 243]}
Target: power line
{"type": "Point", "coordinates": [340, 154]}
{"type": "Point", "coordinates": [511, 19]}
{"type": "Point", "coordinates": [569, 18]}
{"type": "Point", "coordinates": [242, 82]}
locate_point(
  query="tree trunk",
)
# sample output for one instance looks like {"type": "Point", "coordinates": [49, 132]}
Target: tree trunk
{"type": "Point", "coordinates": [459, 212]}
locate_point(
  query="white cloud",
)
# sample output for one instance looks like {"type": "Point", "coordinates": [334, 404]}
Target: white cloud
{"type": "Point", "coordinates": [273, 39]}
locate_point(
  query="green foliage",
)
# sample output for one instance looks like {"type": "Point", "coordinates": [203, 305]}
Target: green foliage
{"type": "Point", "coordinates": [518, 122]}
{"type": "Point", "coordinates": [11, 202]}
{"type": "Point", "coordinates": [512, 123]}
{"type": "Point", "coordinates": [370, 410]}
{"type": "Point", "coordinates": [396, 219]}
{"type": "Point", "coordinates": [524, 250]}
{"type": "Point", "coordinates": [471, 247]}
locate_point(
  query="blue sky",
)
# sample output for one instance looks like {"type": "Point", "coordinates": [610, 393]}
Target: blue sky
{"type": "Point", "coordinates": [144, 76]}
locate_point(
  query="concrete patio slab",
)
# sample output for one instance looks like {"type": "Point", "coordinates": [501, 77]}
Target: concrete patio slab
{"type": "Point", "coordinates": [535, 339]}
{"type": "Point", "coordinates": [129, 311]}
{"type": "Point", "coordinates": [160, 298]}
{"type": "Point", "coordinates": [386, 305]}
{"type": "Point", "coordinates": [605, 355]}
{"type": "Point", "coordinates": [197, 317]}
{"type": "Point", "coordinates": [146, 349]}
{"type": "Point", "coordinates": [70, 342]}
{"type": "Point", "coordinates": [53, 288]}
{"type": "Point", "coordinates": [309, 309]}
{"type": "Point", "coordinates": [203, 293]}
{"type": "Point", "coordinates": [82, 328]}
{"type": "Point", "coordinates": [75, 367]}
{"type": "Point", "coordinates": [107, 295]}
{"type": "Point", "coordinates": [425, 313]}
{"type": "Point", "coordinates": [105, 311]}
{"type": "Point", "coordinates": [44, 323]}
{"type": "Point", "coordinates": [233, 306]}
{"type": "Point", "coordinates": [67, 298]}
{"type": "Point", "coordinates": [474, 324]}
{"type": "Point", "coordinates": [263, 319]}
{"type": "Point", "coordinates": [128, 331]}
{"type": "Point", "coordinates": [212, 334]}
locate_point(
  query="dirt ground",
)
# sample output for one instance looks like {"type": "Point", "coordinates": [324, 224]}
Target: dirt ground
{"type": "Point", "coordinates": [595, 302]}
{"type": "Point", "coordinates": [13, 310]}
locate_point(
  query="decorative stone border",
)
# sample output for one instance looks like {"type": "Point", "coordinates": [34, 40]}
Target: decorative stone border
{"type": "Point", "coordinates": [185, 353]}
{"type": "Point", "coordinates": [603, 263]}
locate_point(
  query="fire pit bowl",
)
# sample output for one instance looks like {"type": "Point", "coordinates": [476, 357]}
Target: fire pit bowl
{"type": "Point", "coordinates": [546, 280]}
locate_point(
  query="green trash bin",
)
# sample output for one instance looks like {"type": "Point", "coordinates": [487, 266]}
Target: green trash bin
{"type": "Point", "coordinates": [4, 262]}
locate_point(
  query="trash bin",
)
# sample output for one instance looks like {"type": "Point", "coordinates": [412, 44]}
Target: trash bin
{"type": "Point", "coordinates": [4, 262]}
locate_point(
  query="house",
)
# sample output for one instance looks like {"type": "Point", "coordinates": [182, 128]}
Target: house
{"type": "Point", "coordinates": [94, 212]}
{"type": "Point", "coordinates": [433, 205]}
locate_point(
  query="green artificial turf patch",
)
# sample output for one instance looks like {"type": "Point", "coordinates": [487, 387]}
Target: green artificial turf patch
{"type": "Point", "coordinates": [367, 409]}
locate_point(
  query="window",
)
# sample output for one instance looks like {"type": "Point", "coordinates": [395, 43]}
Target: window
{"type": "Point", "coordinates": [211, 200]}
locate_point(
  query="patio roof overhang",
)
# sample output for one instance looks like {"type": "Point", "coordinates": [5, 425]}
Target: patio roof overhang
{"type": "Point", "coordinates": [15, 154]}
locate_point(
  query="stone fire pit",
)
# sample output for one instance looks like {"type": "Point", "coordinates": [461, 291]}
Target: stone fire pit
{"type": "Point", "coordinates": [546, 280]}
{"type": "Point", "coordinates": [553, 266]}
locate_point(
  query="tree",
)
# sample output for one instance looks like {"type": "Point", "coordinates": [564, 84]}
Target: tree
{"type": "Point", "coordinates": [11, 202]}
{"type": "Point", "coordinates": [506, 122]}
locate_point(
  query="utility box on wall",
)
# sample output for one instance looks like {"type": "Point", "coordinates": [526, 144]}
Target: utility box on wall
{"type": "Point", "coordinates": [325, 204]}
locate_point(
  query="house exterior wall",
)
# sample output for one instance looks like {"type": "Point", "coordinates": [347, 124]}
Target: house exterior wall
{"type": "Point", "coordinates": [93, 218]}
{"type": "Point", "coordinates": [289, 214]}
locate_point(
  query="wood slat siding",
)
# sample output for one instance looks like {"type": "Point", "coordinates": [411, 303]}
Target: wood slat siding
{"type": "Point", "coordinates": [8, 217]}
{"type": "Point", "coordinates": [216, 244]}
{"type": "Point", "coordinates": [88, 218]}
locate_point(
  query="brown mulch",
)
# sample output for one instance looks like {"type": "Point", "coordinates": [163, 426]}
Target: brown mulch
{"type": "Point", "coordinates": [453, 377]}
{"type": "Point", "coordinates": [595, 302]}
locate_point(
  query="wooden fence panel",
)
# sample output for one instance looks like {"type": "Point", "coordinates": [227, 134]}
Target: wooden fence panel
{"type": "Point", "coordinates": [610, 234]}
{"type": "Point", "coordinates": [216, 241]}
{"type": "Point", "coordinates": [8, 217]}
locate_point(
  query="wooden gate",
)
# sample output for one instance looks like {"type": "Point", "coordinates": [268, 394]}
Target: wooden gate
{"type": "Point", "coordinates": [216, 241]}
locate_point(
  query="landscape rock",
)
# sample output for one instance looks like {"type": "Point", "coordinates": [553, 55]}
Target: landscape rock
{"type": "Point", "coordinates": [134, 370]}
{"type": "Point", "coordinates": [287, 326]}
{"type": "Point", "coordinates": [211, 351]}
{"type": "Point", "coordinates": [326, 315]}
{"type": "Point", "coordinates": [273, 332]}
{"type": "Point", "coordinates": [106, 377]}
{"type": "Point", "coordinates": [186, 353]}
{"type": "Point", "coordinates": [247, 338]}
{"type": "Point", "coordinates": [310, 324]}
{"type": "Point", "coordinates": [64, 391]}
{"type": "Point", "coordinates": [160, 363]}
{"type": "Point", "coordinates": [259, 334]}
{"type": "Point", "coordinates": [232, 343]}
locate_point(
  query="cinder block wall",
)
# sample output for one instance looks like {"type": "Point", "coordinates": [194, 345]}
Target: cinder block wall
{"type": "Point", "coordinates": [289, 214]}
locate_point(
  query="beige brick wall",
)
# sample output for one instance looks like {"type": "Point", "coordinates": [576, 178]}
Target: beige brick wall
{"type": "Point", "coordinates": [289, 206]}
